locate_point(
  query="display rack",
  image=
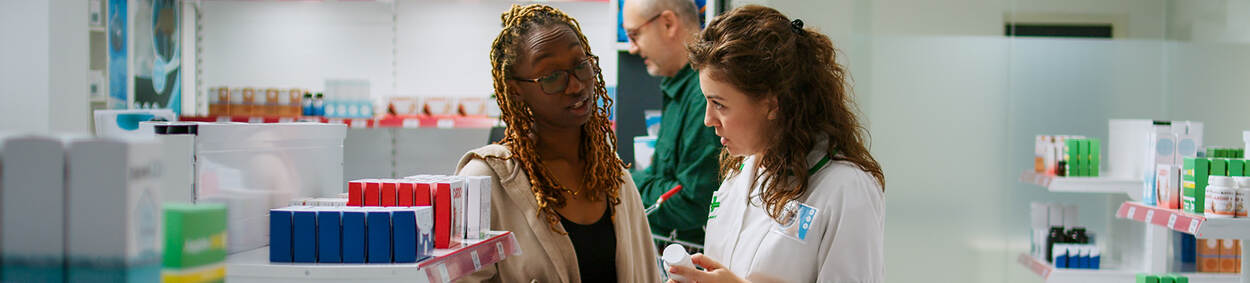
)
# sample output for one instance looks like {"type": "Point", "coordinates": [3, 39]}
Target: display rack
{"type": "Point", "coordinates": [1051, 274]}
{"type": "Point", "coordinates": [422, 121]}
{"type": "Point", "coordinates": [1193, 224]}
{"type": "Point", "coordinates": [445, 266]}
{"type": "Point", "coordinates": [1084, 184]}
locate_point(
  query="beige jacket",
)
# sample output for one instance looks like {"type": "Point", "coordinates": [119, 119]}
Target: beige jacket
{"type": "Point", "coordinates": [547, 256]}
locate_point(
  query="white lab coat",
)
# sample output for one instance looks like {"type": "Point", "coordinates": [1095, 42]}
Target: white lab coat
{"type": "Point", "coordinates": [843, 244]}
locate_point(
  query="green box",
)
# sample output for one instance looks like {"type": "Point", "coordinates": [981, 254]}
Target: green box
{"type": "Point", "coordinates": [1177, 278]}
{"type": "Point", "coordinates": [1147, 278]}
{"type": "Point", "coordinates": [1236, 167]}
{"type": "Point", "coordinates": [1219, 167]}
{"type": "Point", "coordinates": [195, 235]}
{"type": "Point", "coordinates": [1194, 183]}
{"type": "Point", "coordinates": [1072, 152]}
{"type": "Point", "coordinates": [1167, 279]}
{"type": "Point", "coordinates": [1095, 157]}
{"type": "Point", "coordinates": [1084, 154]}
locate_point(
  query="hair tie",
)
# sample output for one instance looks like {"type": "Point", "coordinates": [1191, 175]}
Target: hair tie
{"type": "Point", "coordinates": [797, 25]}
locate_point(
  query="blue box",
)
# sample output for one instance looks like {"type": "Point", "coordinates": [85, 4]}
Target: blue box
{"type": "Point", "coordinates": [425, 232]}
{"type": "Point", "coordinates": [379, 235]}
{"type": "Point", "coordinates": [329, 246]}
{"type": "Point", "coordinates": [304, 236]}
{"type": "Point", "coordinates": [280, 235]}
{"type": "Point", "coordinates": [353, 236]}
{"type": "Point", "coordinates": [404, 235]}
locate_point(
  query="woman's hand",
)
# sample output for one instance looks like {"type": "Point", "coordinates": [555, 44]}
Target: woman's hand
{"type": "Point", "coordinates": [713, 271]}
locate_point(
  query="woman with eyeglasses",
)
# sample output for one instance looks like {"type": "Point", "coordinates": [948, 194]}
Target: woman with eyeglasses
{"type": "Point", "coordinates": [558, 184]}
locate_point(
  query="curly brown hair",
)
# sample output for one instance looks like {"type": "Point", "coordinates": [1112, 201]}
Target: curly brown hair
{"type": "Point", "coordinates": [604, 170]}
{"type": "Point", "coordinates": [761, 52]}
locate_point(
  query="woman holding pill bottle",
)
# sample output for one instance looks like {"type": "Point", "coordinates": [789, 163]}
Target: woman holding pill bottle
{"type": "Point", "coordinates": [557, 182]}
{"type": "Point", "coordinates": [802, 199]}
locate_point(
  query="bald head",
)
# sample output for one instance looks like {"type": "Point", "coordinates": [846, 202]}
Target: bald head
{"type": "Point", "coordinates": [684, 9]}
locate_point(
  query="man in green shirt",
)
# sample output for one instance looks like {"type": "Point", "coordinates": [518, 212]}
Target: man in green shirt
{"type": "Point", "coordinates": [686, 150]}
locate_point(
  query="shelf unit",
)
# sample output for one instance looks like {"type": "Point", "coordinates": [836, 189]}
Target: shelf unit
{"type": "Point", "coordinates": [1084, 184]}
{"type": "Point", "coordinates": [445, 266]}
{"type": "Point", "coordinates": [422, 121]}
{"type": "Point", "coordinates": [1051, 274]}
{"type": "Point", "coordinates": [1193, 224]}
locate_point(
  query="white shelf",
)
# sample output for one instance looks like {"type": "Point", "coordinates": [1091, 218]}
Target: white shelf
{"type": "Point", "coordinates": [1050, 274]}
{"type": "Point", "coordinates": [1084, 184]}
{"type": "Point", "coordinates": [445, 266]}
{"type": "Point", "coordinates": [1197, 225]}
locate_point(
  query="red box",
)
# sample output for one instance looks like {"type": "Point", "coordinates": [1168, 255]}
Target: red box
{"type": "Point", "coordinates": [421, 194]}
{"type": "Point", "coordinates": [372, 191]}
{"type": "Point", "coordinates": [388, 192]}
{"type": "Point", "coordinates": [354, 191]}
{"type": "Point", "coordinates": [404, 193]}
{"type": "Point", "coordinates": [448, 221]}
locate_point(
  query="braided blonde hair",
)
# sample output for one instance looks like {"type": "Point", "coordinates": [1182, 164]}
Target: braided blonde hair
{"type": "Point", "coordinates": [604, 169]}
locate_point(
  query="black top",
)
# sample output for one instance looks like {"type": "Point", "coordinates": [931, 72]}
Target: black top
{"type": "Point", "coordinates": [595, 245]}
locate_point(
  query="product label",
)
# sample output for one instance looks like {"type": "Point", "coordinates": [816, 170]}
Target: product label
{"type": "Point", "coordinates": [798, 221]}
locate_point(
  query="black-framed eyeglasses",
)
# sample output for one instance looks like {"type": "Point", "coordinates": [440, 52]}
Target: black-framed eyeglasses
{"type": "Point", "coordinates": [558, 80]}
{"type": "Point", "coordinates": [633, 33]}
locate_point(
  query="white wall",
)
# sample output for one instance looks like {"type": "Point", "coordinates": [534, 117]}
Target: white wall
{"type": "Point", "coordinates": [409, 47]}
{"type": "Point", "coordinates": [43, 66]}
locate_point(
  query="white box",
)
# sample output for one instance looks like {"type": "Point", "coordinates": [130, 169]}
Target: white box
{"type": "Point", "coordinates": [32, 227]}
{"type": "Point", "coordinates": [114, 210]}
{"type": "Point", "coordinates": [425, 231]}
{"type": "Point", "coordinates": [1127, 141]}
{"type": "Point", "coordinates": [247, 218]}
{"type": "Point", "coordinates": [1056, 214]}
{"type": "Point", "coordinates": [1070, 215]}
{"type": "Point", "coordinates": [477, 206]}
{"type": "Point", "coordinates": [178, 176]}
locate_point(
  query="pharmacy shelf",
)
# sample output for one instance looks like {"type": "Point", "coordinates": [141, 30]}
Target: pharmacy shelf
{"type": "Point", "coordinates": [419, 121]}
{"type": "Point", "coordinates": [1084, 184]}
{"type": "Point", "coordinates": [445, 266]}
{"type": "Point", "coordinates": [1197, 225]}
{"type": "Point", "coordinates": [1050, 274]}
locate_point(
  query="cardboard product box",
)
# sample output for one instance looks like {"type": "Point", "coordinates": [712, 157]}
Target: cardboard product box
{"type": "Point", "coordinates": [304, 235]}
{"type": "Point", "coordinates": [425, 231]}
{"type": "Point", "coordinates": [247, 223]}
{"type": "Point", "coordinates": [1083, 162]}
{"type": "Point", "coordinates": [1230, 253]}
{"type": "Point", "coordinates": [354, 233]}
{"type": "Point", "coordinates": [1236, 167]}
{"type": "Point", "coordinates": [355, 192]}
{"type": "Point", "coordinates": [114, 214]}
{"type": "Point", "coordinates": [1208, 255]}
{"type": "Point", "coordinates": [1219, 166]}
{"type": "Point", "coordinates": [1072, 156]}
{"type": "Point", "coordinates": [373, 193]}
{"type": "Point", "coordinates": [378, 225]}
{"type": "Point", "coordinates": [271, 106]}
{"type": "Point", "coordinates": [477, 206]}
{"type": "Point", "coordinates": [423, 193]}
{"type": "Point", "coordinates": [1194, 180]}
{"type": "Point", "coordinates": [195, 243]}
{"type": "Point", "coordinates": [293, 103]}
{"type": "Point", "coordinates": [219, 101]}
{"type": "Point", "coordinates": [329, 235]}
{"type": "Point", "coordinates": [280, 234]}
{"type": "Point", "coordinates": [34, 188]}
{"type": "Point", "coordinates": [178, 170]}
{"type": "Point", "coordinates": [1095, 157]}
{"type": "Point", "coordinates": [403, 192]}
{"type": "Point", "coordinates": [404, 234]}
{"type": "Point", "coordinates": [448, 215]}
{"type": "Point", "coordinates": [389, 188]}
{"type": "Point", "coordinates": [1169, 196]}
{"type": "Point", "coordinates": [1147, 278]}
{"type": "Point", "coordinates": [1159, 157]}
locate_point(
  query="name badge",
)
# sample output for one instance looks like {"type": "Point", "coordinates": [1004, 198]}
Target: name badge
{"type": "Point", "coordinates": [797, 222]}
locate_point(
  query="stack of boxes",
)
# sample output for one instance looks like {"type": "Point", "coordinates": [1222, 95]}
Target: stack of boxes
{"type": "Point", "coordinates": [307, 234]}
{"type": "Point", "coordinates": [80, 209]}
{"type": "Point", "coordinates": [1059, 240]}
{"type": "Point", "coordinates": [1168, 144]}
{"type": "Point", "coordinates": [1161, 278]}
{"type": "Point", "coordinates": [257, 102]}
{"type": "Point", "coordinates": [1067, 156]}
{"type": "Point", "coordinates": [378, 218]}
